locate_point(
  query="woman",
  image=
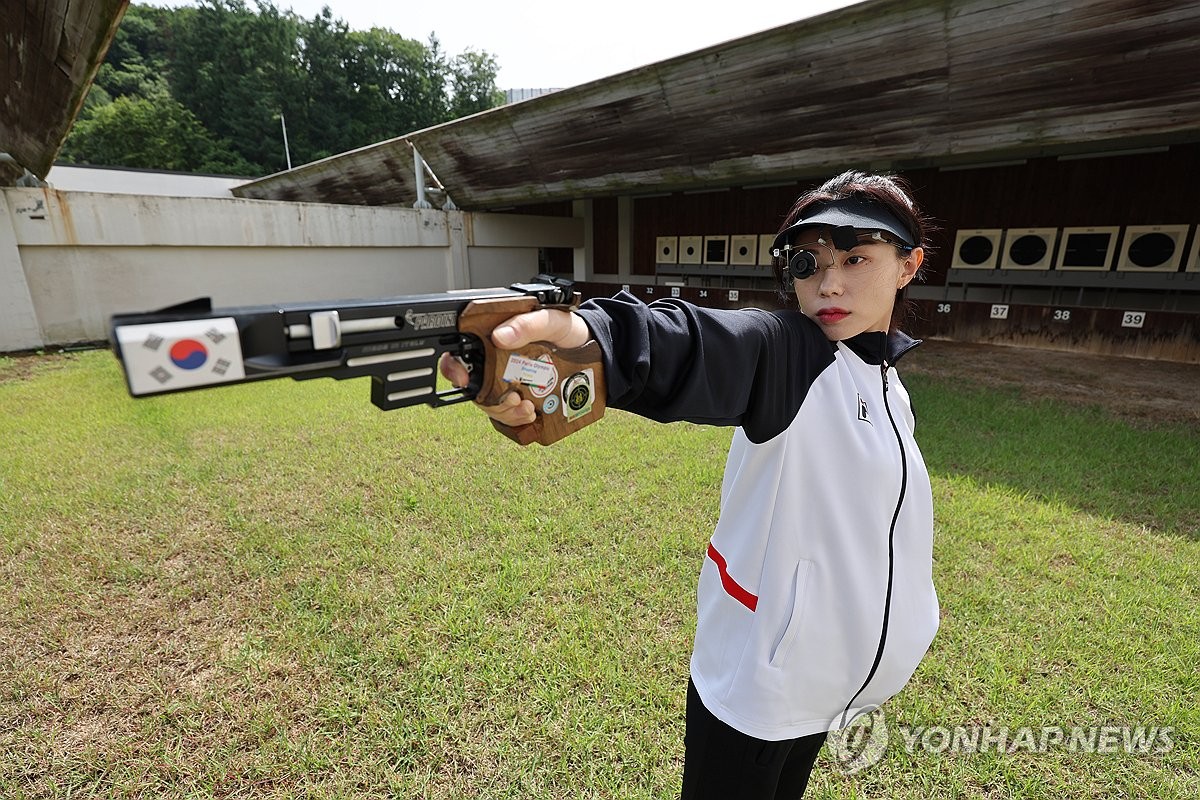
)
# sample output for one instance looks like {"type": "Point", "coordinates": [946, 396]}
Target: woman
{"type": "Point", "coordinates": [816, 598]}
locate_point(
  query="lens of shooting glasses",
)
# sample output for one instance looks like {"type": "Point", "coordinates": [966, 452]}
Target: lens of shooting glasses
{"type": "Point", "coordinates": [802, 264]}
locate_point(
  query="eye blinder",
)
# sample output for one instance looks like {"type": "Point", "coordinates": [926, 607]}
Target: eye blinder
{"type": "Point", "coordinates": [802, 264]}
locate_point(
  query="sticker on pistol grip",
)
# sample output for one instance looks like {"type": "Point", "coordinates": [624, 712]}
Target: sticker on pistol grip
{"type": "Point", "coordinates": [542, 391]}
{"type": "Point", "coordinates": [578, 393]}
{"type": "Point", "coordinates": [540, 375]}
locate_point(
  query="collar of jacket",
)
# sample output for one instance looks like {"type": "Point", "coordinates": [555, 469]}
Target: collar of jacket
{"type": "Point", "coordinates": [872, 346]}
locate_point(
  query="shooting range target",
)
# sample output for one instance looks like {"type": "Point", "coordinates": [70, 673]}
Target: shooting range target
{"type": "Point", "coordinates": [690, 249]}
{"type": "Point", "coordinates": [743, 250]}
{"type": "Point", "coordinates": [1152, 248]}
{"type": "Point", "coordinates": [1028, 248]}
{"type": "Point", "coordinates": [666, 250]}
{"type": "Point", "coordinates": [1087, 249]}
{"type": "Point", "coordinates": [716, 249]}
{"type": "Point", "coordinates": [977, 249]}
{"type": "Point", "coordinates": [765, 258]}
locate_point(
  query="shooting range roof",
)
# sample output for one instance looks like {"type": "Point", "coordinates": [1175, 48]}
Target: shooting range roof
{"type": "Point", "coordinates": [49, 55]}
{"type": "Point", "coordinates": [885, 84]}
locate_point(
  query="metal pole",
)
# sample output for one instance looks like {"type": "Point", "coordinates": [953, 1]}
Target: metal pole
{"type": "Point", "coordinates": [286, 150]}
{"type": "Point", "coordinates": [419, 179]}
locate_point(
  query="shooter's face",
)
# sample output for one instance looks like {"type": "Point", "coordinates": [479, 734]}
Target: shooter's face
{"type": "Point", "coordinates": [854, 290]}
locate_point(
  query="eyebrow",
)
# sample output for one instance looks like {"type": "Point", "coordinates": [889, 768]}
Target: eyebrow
{"type": "Point", "coordinates": [833, 246]}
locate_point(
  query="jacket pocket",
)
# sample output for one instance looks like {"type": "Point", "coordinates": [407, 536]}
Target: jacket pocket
{"type": "Point", "coordinates": [783, 647]}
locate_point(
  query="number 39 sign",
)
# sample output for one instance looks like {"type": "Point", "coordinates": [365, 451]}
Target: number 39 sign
{"type": "Point", "coordinates": [1133, 319]}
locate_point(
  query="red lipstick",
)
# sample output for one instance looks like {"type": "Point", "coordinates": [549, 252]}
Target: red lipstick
{"type": "Point", "coordinates": [832, 314]}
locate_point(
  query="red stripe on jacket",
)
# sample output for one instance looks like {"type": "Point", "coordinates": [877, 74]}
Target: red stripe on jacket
{"type": "Point", "coordinates": [732, 587]}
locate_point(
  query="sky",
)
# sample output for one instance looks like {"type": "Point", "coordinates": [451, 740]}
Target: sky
{"type": "Point", "coordinates": [553, 44]}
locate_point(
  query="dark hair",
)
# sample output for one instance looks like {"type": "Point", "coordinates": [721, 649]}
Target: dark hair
{"type": "Point", "coordinates": [890, 191]}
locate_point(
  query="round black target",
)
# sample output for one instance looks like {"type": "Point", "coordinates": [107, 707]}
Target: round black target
{"type": "Point", "coordinates": [975, 250]}
{"type": "Point", "coordinates": [1027, 250]}
{"type": "Point", "coordinates": [1151, 250]}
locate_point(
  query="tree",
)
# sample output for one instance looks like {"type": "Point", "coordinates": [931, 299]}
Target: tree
{"type": "Point", "coordinates": [233, 67]}
{"type": "Point", "coordinates": [236, 66]}
{"type": "Point", "coordinates": [152, 133]}
{"type": "Point", "coordinates": [136, 61]}
{"type": "Point", "coordinates": [129, 118]}
{"type": "Point", "coordinates": [474, 83]}
{"type": "Point", "coordinates": [399, 84]}
{"type": "Point", "coordinates": [322, 110]}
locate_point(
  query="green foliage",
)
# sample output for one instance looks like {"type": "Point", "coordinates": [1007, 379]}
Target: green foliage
{"type": "Point", "coordinates": [136, 61]}
{"type": "Point", "coordinates": [243, 69]}
{"type": "Point", "coordinates": [400, 82]}
{"type": "Point", "coordinates": [474, 76]}
{"type": "Point", "coordinates": [232, 67]}
{"type": "Point", "coordinates": [97, 96]}
{"type": "Point", "coordinates": [153, 133]}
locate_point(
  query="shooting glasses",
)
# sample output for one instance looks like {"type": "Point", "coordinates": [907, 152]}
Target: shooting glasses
{"type": "Point", "coordinates": [851, 222]}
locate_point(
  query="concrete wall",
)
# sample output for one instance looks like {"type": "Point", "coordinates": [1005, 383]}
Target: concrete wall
{"type": "Point", "coordinates": [68, 260]}
{"type": "Point", "coordinates": [123, 180]}
{"type": "Point", "coordinates": [500, 253]}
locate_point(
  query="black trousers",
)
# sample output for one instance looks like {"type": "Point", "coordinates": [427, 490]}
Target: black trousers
{"type": "Point", "coordinates": [725, 764]}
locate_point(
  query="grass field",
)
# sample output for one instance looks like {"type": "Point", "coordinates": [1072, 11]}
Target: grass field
{"type": "Point", "coordinates": [277, 591]}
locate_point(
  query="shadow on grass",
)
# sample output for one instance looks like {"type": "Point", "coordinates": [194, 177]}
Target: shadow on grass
{"type": "Point", "coordinates": [1084, 457]}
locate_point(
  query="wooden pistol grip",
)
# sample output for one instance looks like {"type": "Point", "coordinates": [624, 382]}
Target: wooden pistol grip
{"type": "Point", "coordinates": [567, 393]}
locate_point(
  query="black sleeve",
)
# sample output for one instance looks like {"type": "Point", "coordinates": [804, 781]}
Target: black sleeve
{"type": "Point", "coordinates": [672, 360]}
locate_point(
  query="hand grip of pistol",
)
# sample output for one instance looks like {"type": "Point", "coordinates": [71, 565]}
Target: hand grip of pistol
{"type": "Point", "coordinates": [566, 388]}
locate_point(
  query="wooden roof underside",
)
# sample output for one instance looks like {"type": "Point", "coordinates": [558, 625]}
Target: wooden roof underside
{"type": "Point", "coordinates": [886, 84]}
{"type": "Point", "coordinates": [50, 51]}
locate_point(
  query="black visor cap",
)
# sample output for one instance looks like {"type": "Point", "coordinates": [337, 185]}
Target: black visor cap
{"type": "Point", "coordinates": [859, 214]}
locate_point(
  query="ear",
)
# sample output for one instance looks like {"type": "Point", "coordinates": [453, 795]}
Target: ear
{"type": "Point", "coordinates": [912, 263]}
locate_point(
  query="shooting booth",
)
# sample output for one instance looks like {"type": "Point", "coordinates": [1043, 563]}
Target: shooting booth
{"type": "Point", "coordinates": [1054, 143]}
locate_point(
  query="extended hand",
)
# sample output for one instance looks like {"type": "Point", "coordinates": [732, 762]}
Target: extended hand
{"type": "Point", "coordinates": [559, 328]}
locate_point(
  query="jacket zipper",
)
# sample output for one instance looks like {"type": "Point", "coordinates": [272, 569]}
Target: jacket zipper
{"type": "Point", "coordinates": [887, 607]}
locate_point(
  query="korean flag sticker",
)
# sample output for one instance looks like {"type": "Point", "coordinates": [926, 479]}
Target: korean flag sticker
{"type": "Point", "coordinates": [165, 356]}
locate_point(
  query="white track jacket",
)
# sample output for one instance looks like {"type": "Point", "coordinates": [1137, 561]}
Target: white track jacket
{"type": "Point", "coordinates": [816, 597]}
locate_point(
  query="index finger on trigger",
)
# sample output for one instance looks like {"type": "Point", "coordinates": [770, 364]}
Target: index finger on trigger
{"type": "Point", "coordinates": [453, 370]}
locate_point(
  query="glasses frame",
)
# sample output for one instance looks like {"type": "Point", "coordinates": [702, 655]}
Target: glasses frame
{"type": "Point", "coordinates": [802, 262]}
